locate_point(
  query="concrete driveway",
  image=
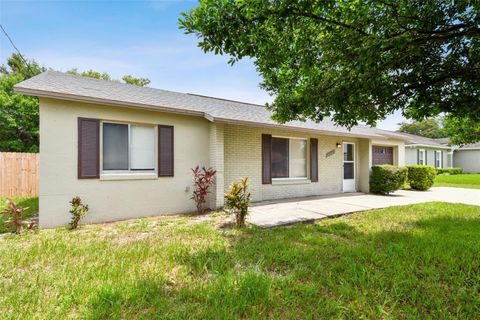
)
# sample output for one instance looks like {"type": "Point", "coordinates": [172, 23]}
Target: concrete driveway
{"type": "Point", "coordinates": [280, 212]}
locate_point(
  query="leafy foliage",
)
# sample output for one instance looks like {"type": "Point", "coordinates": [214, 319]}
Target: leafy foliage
{"type": "Point", "coordinates": [237, 201]}
{"type": "Point", "coordinates": [462, 129]}
{"type": "Point", "coordinates": [429, 128]}
{"type": "Point", "coordinates": [141, 82]}
{"type": "Point", "coordinates": [18, 113]}
{"type": "Point", "coordinates": [203, 180]}
{"type": "Point", "coordinates": [356, 61]}
{"type": "Point", "coordinates": [16, 216]}
{"type": "Point", "coordinates": [387, 178]}
{"type": "Point", "coordinates": [451, 171]}
{"type": "Point", "coordinates": [78, 210]}
{"type": "Point", "coordinates": [421, 177]}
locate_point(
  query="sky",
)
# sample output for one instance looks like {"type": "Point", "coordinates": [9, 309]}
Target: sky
{"type": "Point", "coordinates": [140, 38]}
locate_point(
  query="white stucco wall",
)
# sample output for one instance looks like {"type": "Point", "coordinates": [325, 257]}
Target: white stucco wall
{"type": "Point", "coordinates": [118, 199]}
{"type": "Point", "coordinates": [469, 160]}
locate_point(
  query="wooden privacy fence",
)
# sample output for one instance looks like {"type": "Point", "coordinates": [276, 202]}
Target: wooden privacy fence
{"type": "Point", "coordinates": [18, 174]}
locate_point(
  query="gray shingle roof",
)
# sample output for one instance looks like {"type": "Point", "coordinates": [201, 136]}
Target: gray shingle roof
{"type": "Point", "coordinates": [411, 139]}
{"type": "Point", "coordinates": [471, 146]}
{"type": "Point", "coordinates": [53, 84]}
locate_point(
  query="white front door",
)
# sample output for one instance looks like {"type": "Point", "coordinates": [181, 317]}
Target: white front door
{"type": "Point", "coordinates": [348, 167]}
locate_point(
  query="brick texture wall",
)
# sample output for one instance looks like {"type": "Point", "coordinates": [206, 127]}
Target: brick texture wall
{"type": "Point", "coordinates": [242, 157]}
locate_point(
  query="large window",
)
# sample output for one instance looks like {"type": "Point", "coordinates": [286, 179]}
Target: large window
{"type": "Point", "coordinates": [128, 147]}
{"type": "Point", "coordinates": [422, 157]}
{"type": "Point", "coordinates": [438, 159]}
{"type": "Point", "coordinates": [289, 158]}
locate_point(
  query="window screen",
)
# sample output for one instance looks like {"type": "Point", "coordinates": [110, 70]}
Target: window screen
{"type": "Point", "coordinates": [115, 146]}
{"type": "Point", "coordinates": [279, 158]}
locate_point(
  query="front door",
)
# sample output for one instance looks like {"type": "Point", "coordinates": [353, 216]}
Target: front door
{"type": "Point", "coordinates": [348, 167]}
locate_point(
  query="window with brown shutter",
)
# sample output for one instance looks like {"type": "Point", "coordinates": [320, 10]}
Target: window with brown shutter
{"type": "Point", "coordinates": [314, 160]}
{"type": "Point", "coordinates": [165, 151]}
{"type": "Point", "coordinates": [88, 148]}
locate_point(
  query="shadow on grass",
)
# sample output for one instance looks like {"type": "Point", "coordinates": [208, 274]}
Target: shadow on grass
{"type": "Point", "coordinates": [428, 268]}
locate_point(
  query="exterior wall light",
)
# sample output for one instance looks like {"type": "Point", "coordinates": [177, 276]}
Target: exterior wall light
{"type": "Point", "coordinates": [339, 144]}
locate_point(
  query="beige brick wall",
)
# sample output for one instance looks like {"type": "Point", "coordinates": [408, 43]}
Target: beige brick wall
{"type": "Point", "coordinates": [216, 151]}
{"type": "Point", "coordinates": [243, 158]}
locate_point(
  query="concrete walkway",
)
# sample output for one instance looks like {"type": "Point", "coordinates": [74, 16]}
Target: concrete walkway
{"type": "Point", "coordinates": [280, 212]}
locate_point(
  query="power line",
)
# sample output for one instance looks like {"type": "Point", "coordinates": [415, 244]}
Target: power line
{"type": "Point", "coordinates": [14, 46]}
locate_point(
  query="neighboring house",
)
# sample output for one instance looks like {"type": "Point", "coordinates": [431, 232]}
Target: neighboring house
{"type": "Point", "coordinates": [426, 151]}
{"type": "Point", "coordinates": [127, 151]}
{"type": "Point", "coordinates": [467, 157]}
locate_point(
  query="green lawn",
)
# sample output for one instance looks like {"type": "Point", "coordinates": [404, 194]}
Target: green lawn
{"type": "Point", "coordinates": [30, 203]}
{"type": "Point", "coordinates": [420, 261]}
{"type": "Point", "coordinates": [458, 181]}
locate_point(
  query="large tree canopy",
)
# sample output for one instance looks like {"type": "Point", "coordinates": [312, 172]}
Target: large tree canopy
{"type": "Point", "coordinates": [356, 61]}
{"type": "Point", "coordinates": [429, 128]}
{"type": "Point", "coordinates": [19, 114]}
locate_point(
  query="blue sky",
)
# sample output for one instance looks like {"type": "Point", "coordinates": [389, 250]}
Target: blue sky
{"type": "Point", "coordinates": [140, 38]}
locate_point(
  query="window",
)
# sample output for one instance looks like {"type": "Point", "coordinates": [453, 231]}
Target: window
{"type": "Point", "coordinates": [438, 159]}
{"type": "Point", "coordinates": [289, 158]}
{"type": "Point", "coordinates": [128, 147]}
{"type": "Point", "coordinates": [421, 157]}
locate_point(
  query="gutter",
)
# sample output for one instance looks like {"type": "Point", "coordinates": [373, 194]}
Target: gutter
{"type": "Point", "coordinates": [426, 146]}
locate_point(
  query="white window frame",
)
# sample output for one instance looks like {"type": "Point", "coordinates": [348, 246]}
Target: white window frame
{"type": "Point", "coordinates": [290, 157]}
{"type": "Point", "coordinates": [438, 157]}
{"type": "Point", "coordinates": [423, 158]}
{"type": "Point", "coordinates": [129, 171]}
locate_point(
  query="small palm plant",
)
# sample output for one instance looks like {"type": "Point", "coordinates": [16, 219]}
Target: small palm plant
{"type": "Point", "coordinates": [237, 201]}
{"type": "Point", "coordinates": [78, 211]}
{"type": "Point", "coordinates": [15, 213]}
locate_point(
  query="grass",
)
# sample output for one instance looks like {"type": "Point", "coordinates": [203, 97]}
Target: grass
{"type": "Point", "coordinates": [458, 181]}
{"type": "Point", "coordinates": [418, 261]}
{"type": "Point", "coordinates": [23, 202]}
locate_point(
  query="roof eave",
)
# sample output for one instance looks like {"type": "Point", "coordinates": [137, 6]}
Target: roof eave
{"type": "Point", "coordinates": [413, 145]}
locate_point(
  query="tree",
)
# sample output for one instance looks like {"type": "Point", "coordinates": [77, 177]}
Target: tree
{"type": "Point", "coordinates": [461, 130]}
{"type": "Point", "coordinates": [19, 117]}
{"type": "Point", "coordinates": [356, 61]}
{"type": "Point", "coordinates": [429, 128]}
{"type": "Point", "coordinates": [18, 113]}
{"type": "Point", "coordinates": [142, 82]}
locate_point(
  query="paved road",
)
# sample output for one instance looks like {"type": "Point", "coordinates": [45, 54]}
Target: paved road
{"type": "Point", "coordinates": [273, 213]}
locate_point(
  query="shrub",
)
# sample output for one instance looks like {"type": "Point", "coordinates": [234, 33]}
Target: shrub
{"type": "Point", "coordinates": [15, 213]}
{"type": "Point", "coordinates": [78, 210]}
{"type": "Point", "coordinates": [421, 177]}
{"type": "Point", "coordinates": [451, 171]}
{"type": "Point", "coordinates": [203, 180]}
{"type": "Point", "coordinates": [237, 201]}
{"type": "Point", "coordinates": [386, 178]}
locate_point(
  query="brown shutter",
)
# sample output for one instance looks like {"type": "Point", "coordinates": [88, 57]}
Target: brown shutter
{"type": "Point", "coordinates": [266, 159]}
{"type": "Point", "coordinates": [165, 151]}
{"type": "Point", "coordinates": [88, 148]}
{"type": "Point", "coordinates": [313, 160]}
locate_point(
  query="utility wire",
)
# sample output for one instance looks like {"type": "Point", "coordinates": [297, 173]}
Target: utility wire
{"type": "Point", "coordinates": [15, 47]}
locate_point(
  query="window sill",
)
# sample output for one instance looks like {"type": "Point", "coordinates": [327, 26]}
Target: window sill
{"type": "Point", "coordinates": [290, 181]}
{"type": "Point", "coordinates": [128, 176]}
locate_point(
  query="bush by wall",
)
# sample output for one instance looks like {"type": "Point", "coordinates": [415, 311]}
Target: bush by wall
{"type": "Point", "coordinates": [386, 178]}
{"type": "Point", "coordinates": [421, 177]}
{"type": "Point", "coordinates": [451, 171]}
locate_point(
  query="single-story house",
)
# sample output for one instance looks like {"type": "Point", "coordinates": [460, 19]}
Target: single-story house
{"type": "Point", "coordinates": [127, 151]}
{"type": "Point", "coordinates": [427, 151]}
{"type": "Point", "coordinates": [467, 157]}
